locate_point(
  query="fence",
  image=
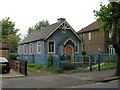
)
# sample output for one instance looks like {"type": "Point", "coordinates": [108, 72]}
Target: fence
{"type": "Point", "coordinates": [90, 62]}
{"type": "Point", "coordinates": [20, 66]}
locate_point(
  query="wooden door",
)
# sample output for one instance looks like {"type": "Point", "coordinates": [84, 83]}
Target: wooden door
{"type": "Point", "coordinates": [69, 51]}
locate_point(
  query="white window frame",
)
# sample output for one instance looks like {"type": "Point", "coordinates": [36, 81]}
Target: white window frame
{"type": "Point", "coordinates": [19, 49]}
{"type": "Point", "coordinates": [110, 34]}
{"type": "Point", "coordinates": [77, 45]}
{"type": "Point", "coordinates": [31, 47]}
{"type": "Point", "coordinates": [83, 35]}
{"type": "Point", "coordinates": [111, 51]}
{"type": "Point", "coordinates": [89, 36]}
{"type": "Point", "coordinates": [54, 46]}
{"type": "Point", "coordinates": [25, 48]}
{"type": "Point", "coordinates": [38, 47]}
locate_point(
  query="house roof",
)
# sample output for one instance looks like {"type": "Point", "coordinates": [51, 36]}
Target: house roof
{"type": "Point", "coordinates": [91, 27]}
{"type": "Point", "coordinates": [46, 32]}
{"type": "Point", "coordinates": [40, 34]}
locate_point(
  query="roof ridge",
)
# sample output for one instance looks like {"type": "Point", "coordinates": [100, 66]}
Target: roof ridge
{"type": "Point", "coordinates": [93, 26]}
{"type": "Point", "coordinates": [40, 34]}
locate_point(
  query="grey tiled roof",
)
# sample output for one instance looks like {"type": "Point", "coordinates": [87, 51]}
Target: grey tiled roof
{"type": "Point", "coordinates": [40, 34]}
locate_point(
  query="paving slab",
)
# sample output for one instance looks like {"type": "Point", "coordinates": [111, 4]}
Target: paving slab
{"type": "Point", "coordinates": [11, 74]}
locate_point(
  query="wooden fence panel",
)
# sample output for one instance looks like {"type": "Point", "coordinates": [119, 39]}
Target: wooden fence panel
{"type": "Point", "coordinates": [20, 66]}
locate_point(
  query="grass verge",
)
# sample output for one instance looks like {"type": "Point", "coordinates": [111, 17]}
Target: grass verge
{"type": "Point", "coordinates": [39, 68]}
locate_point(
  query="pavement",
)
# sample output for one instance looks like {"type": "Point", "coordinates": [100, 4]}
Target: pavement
{"type": "Point", "coordinates": [11, 74]}
{"type": "Point", "coordinates": [96, 76]}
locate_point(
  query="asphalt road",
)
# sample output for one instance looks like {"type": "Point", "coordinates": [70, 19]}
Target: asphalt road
{"type": "Point", "coordinates": [50, 81]}
{"type": "Point", "coordinates": [77, 80]}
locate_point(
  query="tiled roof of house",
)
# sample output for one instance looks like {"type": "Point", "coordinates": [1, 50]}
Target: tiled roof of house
{"type": "Point", "coordinates": [40, 34]}
{"type": "Point", "coordinates": [93, 26]}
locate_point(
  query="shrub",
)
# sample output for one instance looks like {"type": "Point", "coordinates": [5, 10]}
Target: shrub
{"type": "Point", "coordinates": [83, 52]}
{"type": "Point", "coordinates": [14, 56]}
{"type": "Point", "coordinates": [50, 60]}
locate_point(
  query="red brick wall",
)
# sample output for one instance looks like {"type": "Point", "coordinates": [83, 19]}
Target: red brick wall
{"type": "Point", "coordinates": [98, 42]}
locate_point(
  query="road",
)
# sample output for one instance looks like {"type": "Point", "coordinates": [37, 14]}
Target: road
{"type": "Point", "coordinates": [54, 81]}
{"type": "Point", "coordinates": [51, 81]}
{"type": "Point", "coordinates": [76, 80]}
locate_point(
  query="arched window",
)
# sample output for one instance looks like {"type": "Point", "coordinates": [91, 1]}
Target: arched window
{"type": "Point", "coordinates": [31, 48]}
{"type": "Point", "coordinates": [38, 47]}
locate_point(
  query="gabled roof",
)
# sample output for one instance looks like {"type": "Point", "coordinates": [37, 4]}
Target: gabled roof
{"type": "Point", "coordinates": [91, 27]}
{"type": "Point", "coordinates": [40, 34]}
{"type": "Point", "coordinates": [45, 33]}
{"type": "Point", "coordinates": [65, 40]}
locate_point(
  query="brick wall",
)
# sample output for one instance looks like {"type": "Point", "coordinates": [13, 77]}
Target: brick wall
{"type": "Point", "coordinates": [98, 43]}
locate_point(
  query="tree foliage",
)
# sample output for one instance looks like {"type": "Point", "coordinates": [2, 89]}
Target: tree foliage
{"type": "Point", "coordinates": [37, 26]}
{"type": "Point", "coordinates": [8, 34]}
{"type": "Point", "coordinates": [106, 15]}
{"type": "Point", "coordinates": [7, 27]}
{"type": "Point", "coordinates": [12, 41]}
{"type": "Point", "coordinates": [110, 17]}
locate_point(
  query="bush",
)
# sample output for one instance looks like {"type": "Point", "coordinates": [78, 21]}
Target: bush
{"type": "Point", "coordinates": [14, 56]}
{"type": "Point", "coordinates": [83, 52]}
{"type": "Point", "coordinates": [50, 60]}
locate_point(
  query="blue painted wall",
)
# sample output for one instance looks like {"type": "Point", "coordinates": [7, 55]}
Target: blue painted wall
{"type": "Point", "coordinates": [42, 58]}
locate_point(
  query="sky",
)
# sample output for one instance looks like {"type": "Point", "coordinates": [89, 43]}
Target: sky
{"type": "Point", "coordinates": [26, 13]}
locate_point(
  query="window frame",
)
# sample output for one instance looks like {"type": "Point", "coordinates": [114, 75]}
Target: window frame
{"type": "Point", "coordinates": [53, 48]}
{"type": "Point", "coordinates": [38, 47]}
{"type": "Point", "coordinates": [31, 47]}
{"type": "Point", "coordinates": [89, 36]}
{"type": "Point", "coordinates": [19, 49]}
{"type": "Point", "coordinates": [77, 46]}
{"type": "Point", "coordinates": [25, 48]}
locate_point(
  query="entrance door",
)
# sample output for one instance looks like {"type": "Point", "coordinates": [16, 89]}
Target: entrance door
{"type": "Point", "coordinates": [69, 51]}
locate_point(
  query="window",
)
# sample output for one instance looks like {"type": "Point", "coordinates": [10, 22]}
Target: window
{"type": "Point", "coordinates": [31, 48]}
{"type": "Point", "coordinates": [83, 35]}
{"type": "Point", "coordinates": [25, 48]}
{"type": "Point", "coordinates": [110, 34]}
{"type": "Point", "coordinates": [77, 48]}
{"type": "Point", "coordinates": [19, 49]}
{"type": "Point", "coordinates": [111, 51]}
{"type": "Point", "coordinates": [39, 47]}
{"type": "Point", "coordinates": [51, 47]}
{"type": "Point", "coordinates": [89, 36]}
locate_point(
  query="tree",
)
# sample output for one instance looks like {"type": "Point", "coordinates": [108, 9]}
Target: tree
{"type": "Point", "coordinates": [8, 34]}
{"type": "Point", "coordinates": [110, 16]}
{"type": "Point", "coordinates": [12, 41]}
{"type": "Point", "coordinates": [7, 27]}
{"type": "Point", "coordinates": [37, 26]}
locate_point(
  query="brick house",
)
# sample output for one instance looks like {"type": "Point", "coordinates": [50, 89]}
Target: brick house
{"type": "Point", "coordinates": [94, 39]}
